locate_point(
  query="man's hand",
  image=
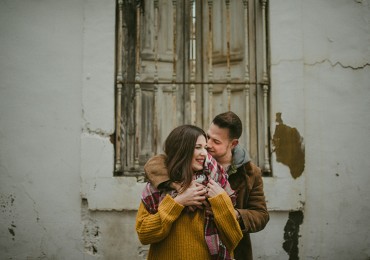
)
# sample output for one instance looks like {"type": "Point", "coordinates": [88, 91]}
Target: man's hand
{"type": "Point", "coordinates": [194, 195]}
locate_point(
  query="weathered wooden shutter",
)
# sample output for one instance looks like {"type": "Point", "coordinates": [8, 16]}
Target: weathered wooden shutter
{"type": "Point", "coordinates": [184, 62]}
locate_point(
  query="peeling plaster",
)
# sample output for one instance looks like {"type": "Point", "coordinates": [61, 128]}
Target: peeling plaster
{"type": "Point", "coordinates": [291, 234]}
{"type": "Point", "coordinates": [11, 230]}
{"type": "Point", "coordinates": [96, 132]}
{"type": "Point", "coordinates": [99, 132]}
{"type": "Point", "coordinates": [289, 147]}
{"type": "Point", "coordinates": [143, 251]}
{"type": "Point", "coordinates": [91, 231]}
{"type": "Point", "coordinates": [7, 211]}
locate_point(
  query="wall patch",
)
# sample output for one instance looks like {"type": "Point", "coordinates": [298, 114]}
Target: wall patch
{"type": "Point", "coordinates": [289, 147]}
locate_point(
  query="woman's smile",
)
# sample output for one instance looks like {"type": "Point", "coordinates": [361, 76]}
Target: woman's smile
{"type": "Point", "coordinates": [200, 153]}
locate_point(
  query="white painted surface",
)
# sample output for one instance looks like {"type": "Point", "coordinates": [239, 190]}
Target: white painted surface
{"type": "Point", "coordinates": [57, 112]}
{"type": "Point", "coordinates": [40, 125]}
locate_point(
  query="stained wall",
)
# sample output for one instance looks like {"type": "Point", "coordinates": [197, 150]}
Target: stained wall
{"type": "Point", "coordinates": [58, 196]}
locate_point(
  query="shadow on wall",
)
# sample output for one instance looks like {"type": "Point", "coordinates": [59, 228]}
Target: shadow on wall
{"type": "Point", "coordinates": [289, 147]}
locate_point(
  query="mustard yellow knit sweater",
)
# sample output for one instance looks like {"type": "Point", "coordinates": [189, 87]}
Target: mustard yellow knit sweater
{"type": "Point", "coordinates": [175, 235]}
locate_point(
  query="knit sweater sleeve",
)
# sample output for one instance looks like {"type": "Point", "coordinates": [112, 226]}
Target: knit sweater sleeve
{"type": "Point", "coordinates": [227, 225]}
{"type": "Point", "coordinates": [152, 228]}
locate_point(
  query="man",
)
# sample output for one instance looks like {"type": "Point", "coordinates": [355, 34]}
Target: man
{"type": "Point", "coordinates": [244, 177]}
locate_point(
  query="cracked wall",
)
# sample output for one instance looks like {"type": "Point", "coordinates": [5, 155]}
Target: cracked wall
{"type": "Point", "coordinates": [111, 234]}
{"type": "Point", "coordinates": [91, 232]}
{"type": "Point", "coordinates": [58, 51]}
{"type": "Point", "coordinates": [40, 127]}
{"type": "Point", "coordinates": [320, 78]}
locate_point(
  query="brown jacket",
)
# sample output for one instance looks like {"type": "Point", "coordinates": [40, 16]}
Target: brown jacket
{"type": "Point", "coordinates": [248, 184]}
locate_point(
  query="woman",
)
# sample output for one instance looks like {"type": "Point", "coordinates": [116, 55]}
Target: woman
{"type": "Point", "coordinates": [173, 221]}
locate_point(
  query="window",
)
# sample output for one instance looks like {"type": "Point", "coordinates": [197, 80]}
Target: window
{"type": "Point", "coordinates": [183, 62]}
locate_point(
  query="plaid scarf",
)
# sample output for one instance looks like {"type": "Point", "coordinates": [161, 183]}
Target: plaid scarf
{"type": "Point", "coordinates": [151, 198]}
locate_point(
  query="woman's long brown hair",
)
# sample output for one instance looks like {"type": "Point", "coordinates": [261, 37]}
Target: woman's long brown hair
{"type": "Point", "coordinates": [179, 148]}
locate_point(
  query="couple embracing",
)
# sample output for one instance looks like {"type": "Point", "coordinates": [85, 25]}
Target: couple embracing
{"type": "Point", "coordinates": [204, 195]}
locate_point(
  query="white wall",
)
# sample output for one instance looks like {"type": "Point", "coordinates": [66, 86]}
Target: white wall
{"type": "Point", "coordinates": [40, 127]}
{"type": "Point", "coordinates": [58, 196]}
{"type": "Point", "coordinates": [337, 98]}
{"type": "Point", "coordinates": [321, 83]}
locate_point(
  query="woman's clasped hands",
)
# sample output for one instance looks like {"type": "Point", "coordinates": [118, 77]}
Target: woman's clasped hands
{"type": "Point", "coordinates": [195, 196]}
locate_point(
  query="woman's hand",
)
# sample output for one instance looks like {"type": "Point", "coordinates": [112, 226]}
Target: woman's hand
{"type": "Point", "coordinates": [213, 189]}
{"type": "Point", "coordinates": [194, 195]}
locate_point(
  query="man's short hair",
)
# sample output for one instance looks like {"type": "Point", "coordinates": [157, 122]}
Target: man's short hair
{"type": "Point", "coordinates": [230, 121]}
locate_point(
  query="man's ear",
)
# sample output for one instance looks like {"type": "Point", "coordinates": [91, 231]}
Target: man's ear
{"type": "Point", "coordinates": [234, 143]}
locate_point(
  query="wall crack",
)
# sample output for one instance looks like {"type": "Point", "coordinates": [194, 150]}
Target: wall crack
{"type": "Point", "coordinates": [332, 64]}
{"type": "Point", "coordinates": [338, 63]}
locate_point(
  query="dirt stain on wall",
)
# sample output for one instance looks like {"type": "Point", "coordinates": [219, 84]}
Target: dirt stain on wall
{"type": "Point", "coordinates": [7, 212]}
{"type": "Point", "coordinates": [291, 234]}
{"type": "Point", "coordinates": [289, 147]}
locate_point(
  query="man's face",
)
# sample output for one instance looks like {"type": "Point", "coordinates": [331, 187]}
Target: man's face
{"type": "Point", "coordinates": [219, 144]}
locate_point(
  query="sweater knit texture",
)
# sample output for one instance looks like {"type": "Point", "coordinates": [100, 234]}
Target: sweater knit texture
{"type": "Point", "coordinates": [177, 234]}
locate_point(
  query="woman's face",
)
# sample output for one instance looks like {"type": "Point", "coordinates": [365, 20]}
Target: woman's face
{"type": "Point", "coordinates": [200, 154]}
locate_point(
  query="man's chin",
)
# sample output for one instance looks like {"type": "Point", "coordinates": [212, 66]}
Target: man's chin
{"type": "Point", "coordinates": [212, 153]}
